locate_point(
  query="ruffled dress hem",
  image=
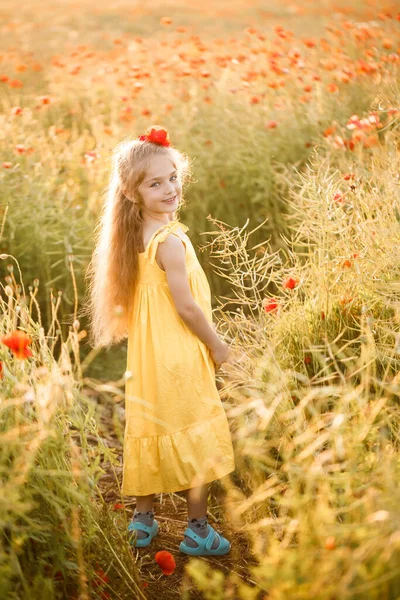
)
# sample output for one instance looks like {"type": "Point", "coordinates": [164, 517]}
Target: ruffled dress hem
{"type": "Point", "coordinates": [179, 461]}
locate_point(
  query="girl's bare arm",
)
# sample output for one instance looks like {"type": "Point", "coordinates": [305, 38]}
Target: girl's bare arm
{"type": "Point", "coordinates": [171, 254]}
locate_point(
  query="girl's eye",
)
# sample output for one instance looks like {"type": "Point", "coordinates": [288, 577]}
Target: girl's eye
{"type": "Point", "coordinates": [176, 177]}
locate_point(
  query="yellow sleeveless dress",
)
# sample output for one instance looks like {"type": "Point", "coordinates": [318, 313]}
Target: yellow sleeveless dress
{"type": "Point", "coordinates": [176, 433]}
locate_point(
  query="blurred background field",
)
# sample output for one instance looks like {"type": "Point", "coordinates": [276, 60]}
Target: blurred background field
{"type": "Point", "coordinates": [290, 111]}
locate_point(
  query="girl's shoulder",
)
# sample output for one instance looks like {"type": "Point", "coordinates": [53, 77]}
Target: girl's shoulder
{"type": "Point", "coordinates": [175, 227]}
{"type": "Point", "coordinates": [161, 233]}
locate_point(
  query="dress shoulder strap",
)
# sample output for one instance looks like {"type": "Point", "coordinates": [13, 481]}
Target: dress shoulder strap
{"type": "Point", "coordinates": [160, 236]}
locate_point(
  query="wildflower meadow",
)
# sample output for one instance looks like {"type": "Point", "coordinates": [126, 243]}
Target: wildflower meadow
{"type": "Point", "coordinates": [290, 111]}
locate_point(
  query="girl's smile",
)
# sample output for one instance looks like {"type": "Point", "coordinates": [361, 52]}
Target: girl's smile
{"type": "Point", "coordinates": [171, 200]}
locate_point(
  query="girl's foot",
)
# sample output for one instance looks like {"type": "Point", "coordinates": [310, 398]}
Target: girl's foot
{"type": "Point", "coordinates": [145, 526]}
{"type": "Point", "coordinates": [200, 539]}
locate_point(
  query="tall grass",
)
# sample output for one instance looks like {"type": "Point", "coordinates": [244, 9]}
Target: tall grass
{"type": "Point", "coordinates": [315, 402]}
{"type": "Point", "coordinates": [296, 143]}
{"type": "Point", "coordinates": [58, 537]}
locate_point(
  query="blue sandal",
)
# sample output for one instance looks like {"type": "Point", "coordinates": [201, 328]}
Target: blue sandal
{"type": "Point", "coordinates": [151, 531]}
{"type": "Point", "coordinates": [204, 544]}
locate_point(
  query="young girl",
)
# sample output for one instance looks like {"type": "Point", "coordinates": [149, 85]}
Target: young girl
{"type": "Point", "coordinates": [147, 284]}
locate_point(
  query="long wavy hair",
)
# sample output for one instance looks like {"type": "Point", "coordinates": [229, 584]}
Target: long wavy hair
{"type": "Point", "coordinates": [112, 273]}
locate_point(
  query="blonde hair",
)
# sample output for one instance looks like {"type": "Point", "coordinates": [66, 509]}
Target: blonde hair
{"type": "Point", "coordinates": [113, 270]}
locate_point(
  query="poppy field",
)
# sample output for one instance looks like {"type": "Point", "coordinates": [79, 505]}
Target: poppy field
{"type": "Point", "coordinates": [291, 114]}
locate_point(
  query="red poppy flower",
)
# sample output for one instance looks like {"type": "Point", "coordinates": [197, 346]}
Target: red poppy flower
{"type": "Point", "coordinates": [101, 577]}
{"type": "Point", "coordinates": [15, 83]}
{"type": "Point", "coordinates": [166, 562]}
{"type": "Point", "coordinates": [157, 135]}
{"type": "Point", "coordinates": [332, 88]}
{"type": "Point", "coordinates": [387, 43]}
{"type": "Point", "coordinates": [44, 99]}
{"type": "Point", "coordinates": [290, 283]}
{"type": "Point", "coordinates": [329, 131]}
{"type": "Point", "coordinates": [338, 197]}
{"type": "Point", "coordinates": [310, 43]}
{"type": "Point", "coordinates": [18, 342]}
{"type": "Point", "coordinates": [90, 156]}
{"type": "Point", "coordinates": [118, 506]}
{"type": "Point", "coordinates": [347, 264]}
{"type": "Point", "coordinates": [270, 305]}
{"type": "Point", "coordinates": [345, 299]}
{"type": "Point", "coordinates": [330, 543]}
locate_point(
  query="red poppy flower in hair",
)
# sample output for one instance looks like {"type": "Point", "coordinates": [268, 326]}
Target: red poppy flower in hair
{"type": "Point", "coordinates": [157, 135]}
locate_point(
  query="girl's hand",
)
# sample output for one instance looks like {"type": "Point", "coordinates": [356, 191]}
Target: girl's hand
{"type": "Point", "coordinates": [220, 354]}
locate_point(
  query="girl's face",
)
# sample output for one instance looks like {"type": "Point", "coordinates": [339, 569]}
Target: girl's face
{"type": "Point", "coordinates": [160, 184]}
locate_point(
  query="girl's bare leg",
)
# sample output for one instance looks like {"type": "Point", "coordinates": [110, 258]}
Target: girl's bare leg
{"type": "Point", "coordinates": [197, 509]}
{"type": "Point", "coordinates": [197, 501]}
{"type": "Point", "coordinates": [144, 503]}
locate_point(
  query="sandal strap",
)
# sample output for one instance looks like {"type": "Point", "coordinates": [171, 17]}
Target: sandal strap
{"type": "Point", "coordinates": [207, 540]}
{"type": "Point", "coordinates": [139, 525]}
{"type": "Point", "coordinates": [192, 535]}
{"type": "Point", "coordinates": [210, 539]}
